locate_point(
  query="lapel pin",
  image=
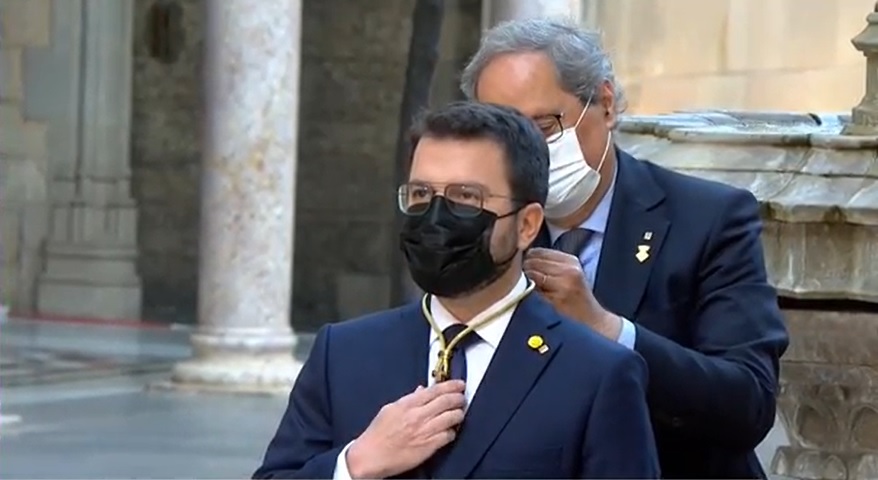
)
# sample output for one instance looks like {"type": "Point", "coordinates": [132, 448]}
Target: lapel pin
{"type": "Point", "coordinates": [537, 343]}
{"type": "Point", "coordinates": [642, 253]}
{"type": "Point", "coordinates": [647, 236]}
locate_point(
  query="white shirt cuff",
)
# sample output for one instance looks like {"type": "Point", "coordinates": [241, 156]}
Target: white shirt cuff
{"type": "Point", "coordinates": [341, 465]}
{"type": "Point", "coordinates": [628, 334]}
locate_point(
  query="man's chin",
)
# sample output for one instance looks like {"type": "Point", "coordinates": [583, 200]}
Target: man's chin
{"type": "Point", "coordinates": [567, 221]}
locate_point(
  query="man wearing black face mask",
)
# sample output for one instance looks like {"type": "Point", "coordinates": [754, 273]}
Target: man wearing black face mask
{"type": "Point", "coordinates": [465, 383]}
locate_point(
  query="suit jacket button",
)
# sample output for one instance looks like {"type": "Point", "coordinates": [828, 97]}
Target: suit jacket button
{"type": "Point", "coordinates": [676, 422]}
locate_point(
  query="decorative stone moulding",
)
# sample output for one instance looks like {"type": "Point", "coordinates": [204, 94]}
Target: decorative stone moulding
{"type": "Point", "coordinates": [817, 188]}
{"type": "Point", "coordinates": [819, 195]}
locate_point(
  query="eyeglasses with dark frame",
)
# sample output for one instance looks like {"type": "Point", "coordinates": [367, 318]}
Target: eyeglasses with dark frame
{"type": "Point", "coordinates": [466, 200]}
{"type": "Point", "coordinates": [551, 125]}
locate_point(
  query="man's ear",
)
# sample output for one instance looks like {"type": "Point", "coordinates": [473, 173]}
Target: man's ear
{"type": "Point", "coordinates": [608, 103]}
{"type": "Point", "coordinates": [530, 222]}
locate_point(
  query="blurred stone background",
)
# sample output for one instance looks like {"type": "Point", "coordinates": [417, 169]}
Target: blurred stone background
{"type": "Point", "coordinates": [791, 55]}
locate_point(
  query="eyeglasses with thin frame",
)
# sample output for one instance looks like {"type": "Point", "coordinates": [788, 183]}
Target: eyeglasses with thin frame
{"type": "Point", "coordinates": [466, 200]}
{"type": "Point", "coordinates": [551, 125]}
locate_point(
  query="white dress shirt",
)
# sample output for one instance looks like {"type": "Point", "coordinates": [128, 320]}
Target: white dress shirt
{"type": "Point", "coordinates": [478, 355]}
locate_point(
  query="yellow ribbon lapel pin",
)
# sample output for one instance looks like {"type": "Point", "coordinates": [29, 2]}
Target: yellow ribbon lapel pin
{"type": "Point", "coordinates": [536, 342]}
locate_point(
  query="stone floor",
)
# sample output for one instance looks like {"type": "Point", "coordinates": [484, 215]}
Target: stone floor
{"type": "Point", "coordinates": [85, 412]}
{"type": "Point", "coordinates": [37, 352]}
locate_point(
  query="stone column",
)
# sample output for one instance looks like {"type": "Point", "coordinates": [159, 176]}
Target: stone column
{"type": "Point", "coordinates": [92, 248]}
{"type": "Point", "coordinates": [496, 11]}
{"type": "Point", "coordinates": [244, 341]}
{"type": "Point", "coordinates": [864, 118]}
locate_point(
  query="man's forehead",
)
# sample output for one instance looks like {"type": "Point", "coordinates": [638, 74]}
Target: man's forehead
{"type": "Point", "coordinates": [444, 161]}
{"type": "Point", "coordinates": [526, 81]}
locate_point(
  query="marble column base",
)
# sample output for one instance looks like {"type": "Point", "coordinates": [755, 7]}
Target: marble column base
{"type": "Point", "coordinates": [239, 360]}
{"type": "Point", "coordinates": [266, 374]}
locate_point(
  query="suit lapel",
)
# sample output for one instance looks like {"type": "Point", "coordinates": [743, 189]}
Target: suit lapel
{"type": "Point", "coordinates": [635, 232]}
{"type": "Point", "coordinates": [406, 350]}
{"type": "Point", "coordinates": [510, 376]}
{"type": "Point", "coordinates": [409, 345]}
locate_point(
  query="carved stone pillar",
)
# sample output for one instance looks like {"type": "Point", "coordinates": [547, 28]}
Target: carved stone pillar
{"type": "Point", "coordinates": [92, 249]}
{"type": "Point", "coordinates": [244, 341]}
{"type": "Point", "coordinates": [864, 120]}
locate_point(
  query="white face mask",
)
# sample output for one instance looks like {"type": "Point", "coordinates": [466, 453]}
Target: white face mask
{"type": "Point", "coordinates": [572, 182]}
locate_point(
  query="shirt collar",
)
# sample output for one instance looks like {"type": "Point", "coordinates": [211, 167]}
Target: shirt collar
{"type": "Point", "coordinates": [493, 331]}
{"type": "Point", "coordinates": [597, 221]}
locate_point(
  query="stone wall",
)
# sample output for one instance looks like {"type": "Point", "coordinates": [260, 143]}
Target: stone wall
{"type": "Point", "coordinates": [790, 55]}
{"type": "Point", "coordinates": [25, 26]}
{"type": "Point", "coordinates": [165, 159]}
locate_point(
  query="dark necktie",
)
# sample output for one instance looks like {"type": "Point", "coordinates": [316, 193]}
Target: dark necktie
{"type": "Point", "coordinates": [572, 241]}
{"type": "Point", "coordinates": [458, 353]}
{"type": "Point", "coordinates": [457, 372]}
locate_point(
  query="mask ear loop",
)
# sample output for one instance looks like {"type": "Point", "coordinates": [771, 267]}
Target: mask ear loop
{"type": "Point", "coordinates": [609, 136]}
{"type": "Point", "coordinates": [582, 114]}
{"type": "Point", "coordinates": [606, 150]}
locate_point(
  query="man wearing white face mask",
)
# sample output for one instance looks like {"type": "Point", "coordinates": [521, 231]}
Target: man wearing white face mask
{"type": "Point", "coordinates": [573, 181]}
{"type": "Point", "coordinates": [666, 264]}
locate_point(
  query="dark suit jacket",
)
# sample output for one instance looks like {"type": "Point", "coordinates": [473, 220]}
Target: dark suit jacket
{"type": "Point", "coordinates": [576, 411]}
{"type": "Point", "coordinates": [707, 320]}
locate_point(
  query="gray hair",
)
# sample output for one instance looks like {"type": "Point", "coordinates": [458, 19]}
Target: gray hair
{"type": "Point", "coordinates": [580, 60]}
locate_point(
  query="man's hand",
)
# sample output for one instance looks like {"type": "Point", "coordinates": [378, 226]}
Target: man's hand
{"type": "Point", "coordinates": [559, 277]}
{"type": "Point", "coordinates": [408, 431]}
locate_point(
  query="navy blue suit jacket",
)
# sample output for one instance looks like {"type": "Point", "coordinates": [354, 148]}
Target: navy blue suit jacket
{"type": "Point", "coordinates": [576, 411]}
{"type": "Point", "coordinates": [707, 320]}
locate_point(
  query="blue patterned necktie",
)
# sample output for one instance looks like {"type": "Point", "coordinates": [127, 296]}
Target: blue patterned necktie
{"type": "Point", "coordinates": [572, 241]}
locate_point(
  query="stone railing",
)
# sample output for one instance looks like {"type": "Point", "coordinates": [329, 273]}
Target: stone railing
{"type": "Point", "coordinates": [819, 196]}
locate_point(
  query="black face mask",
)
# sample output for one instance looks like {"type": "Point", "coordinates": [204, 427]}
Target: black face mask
{"type": "Point", "coordinates": [448, 255]}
